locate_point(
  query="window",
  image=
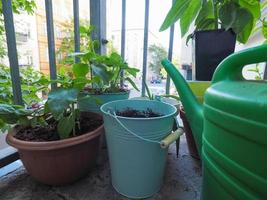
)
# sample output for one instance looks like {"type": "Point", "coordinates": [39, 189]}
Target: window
{"type": "Point", "coordinates": [44, 32]}
{"type": "Point", "coordinates": [46, 54]}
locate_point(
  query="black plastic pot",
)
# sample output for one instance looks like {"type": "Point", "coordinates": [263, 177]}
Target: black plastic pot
{"type": "Point", "coordinates": [209, 49]}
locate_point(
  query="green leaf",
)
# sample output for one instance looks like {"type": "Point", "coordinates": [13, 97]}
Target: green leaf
{"type": "Point", "coordinates": [24, 121]}
{"type": "Point", "coordinates": [264, 28]}
{"type": "Point", "coordinates": [244, 18]}
{"type": "Point", "coordinates": [60, 99]}
{"type": "Point", "coordinates": [150, 96]}
{"type": "Point", "coordinates": [2, 124]}
{"type": "Point", "coordinates": [189, 15]}
{"type": "Point", "coordinates": [228, 15]}
{"type": "Point", "coordinates": [205, 13]}
{"type": "Point", "coordinates": [253, 70]}
{"type": "Point", "coordinates": [253, 6]}
{"type": "Point", "coordinates": [83, 29]}
{"type": "Point", "coordinates": [263, 4]}
{"type": "Point", "coordinates": [80, 82]}
{"type": "Point", "coordinates": [239, 19]}
{"type": "Point", "coordinates": [65, 126]}
{"type": "Point", "coordinates": [87, 56]}
{"type": "Point", "coordinates": [116, 58]}
{"type": "Point", "coordinates": [132, 71]}
{"type": "Point", "coordinates": [12, 113]}
{"type": "Point", "coordinates": [207, 24]}
{"type": "Point", "coordinates": [175, 13]}
{"type": "Point", "coordinates": [101, 71]}
{"type": "Point", "coordinates": [132, 83]}
{"type": "Point", "coordinates": [80, 70]}
{"type": "Point", "coordinates": [245, 32]}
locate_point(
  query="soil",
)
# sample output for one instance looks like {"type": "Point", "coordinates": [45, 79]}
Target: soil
{"type": "Point", "coordinates": [88, 122]}
{"type": "Point", "coordinates": [100, 91]}
{"type": "Point", "coordinates": [129, 112]}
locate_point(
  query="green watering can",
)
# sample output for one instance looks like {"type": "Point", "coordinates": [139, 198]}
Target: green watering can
{"type": "Point", "coordinates": [230, 129]}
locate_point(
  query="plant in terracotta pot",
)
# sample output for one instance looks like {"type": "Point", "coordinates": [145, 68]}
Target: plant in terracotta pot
{"type": "Point", "coordinates": [104, 73]}
{"type": "Point", "coordinates": [57, 143]}
{"type": "Point", "coordinates": [218, 24]}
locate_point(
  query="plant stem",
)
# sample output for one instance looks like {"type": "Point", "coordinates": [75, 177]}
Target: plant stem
{"type": "Point", "coordinates": [117, 77]}
{"type": "Point", "coordinates": [148, 92]}
{"type": "Point", "coordinates": [215, 12]}
{"type": "Point", "coordinates": [73, 114]}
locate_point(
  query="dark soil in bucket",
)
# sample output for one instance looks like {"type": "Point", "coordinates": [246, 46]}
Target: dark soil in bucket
{"type": "Point", "coordinates": [129, 112]}
{"type": "Point", "coordinates": [88, 122]}
{"type": "Point", "coordinates": [97, 91]}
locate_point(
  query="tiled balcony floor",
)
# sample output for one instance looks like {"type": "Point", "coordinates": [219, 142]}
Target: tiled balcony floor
{"type": "Point", "coordinates": [182, 182]}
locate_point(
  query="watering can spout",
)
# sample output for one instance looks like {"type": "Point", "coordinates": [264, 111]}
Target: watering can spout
{"type": "Point", "coordinates": [193, 109]}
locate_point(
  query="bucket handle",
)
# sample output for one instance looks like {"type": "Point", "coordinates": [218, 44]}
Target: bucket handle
{"type": "Point", "coordinates": [164, 143]}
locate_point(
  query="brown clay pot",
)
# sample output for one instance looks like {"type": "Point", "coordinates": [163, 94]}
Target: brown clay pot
{"type": "Point", "coordinates": [58, 162]}
{"type": "Point", "coordinates": [189, 136]}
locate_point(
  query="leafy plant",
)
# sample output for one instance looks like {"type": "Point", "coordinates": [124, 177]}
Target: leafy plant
{"type": "Point", "coordinates": [32, 83]}
{"type": "Point", "coordinates": [257, 72]}
{"type": "Point", "coordinates": [18, 115]}
{"type": "Point", "coordinates": [262, 24]}
{"type": "Point", "coordinates": [149, 93]}
{"type": "Point", "coordinates": [61, 104]}
{"type": "Point", "coordinates": [239, 15]}
{"type": "Point", "coordinates": [104, 71]}
{"type": "Point", "coordinates": [59, 108]}
{"type": "Point", "coordinates": [66, 48]}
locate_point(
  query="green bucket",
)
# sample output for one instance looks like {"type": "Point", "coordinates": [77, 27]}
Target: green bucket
{"type": "Point", "coordinates": [136, 159]}
{"type": "Point", "coordinates": [93, 104]}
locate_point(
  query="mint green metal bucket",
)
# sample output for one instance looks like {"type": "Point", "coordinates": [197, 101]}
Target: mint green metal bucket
{"type": "Point", "coordinates": [93, 104]}
{"type": "Point", "coordinates": [136, 159]}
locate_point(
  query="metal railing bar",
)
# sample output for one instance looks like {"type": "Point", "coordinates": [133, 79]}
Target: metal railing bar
{"type": "Point", "coordinates": [76, 28]}
{"type": "Point", "coordinates": [145, 47]}
{"type": "Point", "coordinates": [12, 51]}
{"type": "Point", "coordinates": [170, 51]}
{"type": "Point", "coordinates": [98, 21]}
{"type": "Point", "coordinates": [8, 155]}
{"type": "Point", "coordinates": [123, 25]}
{"type": "Point", "coordinates": [51, 41]}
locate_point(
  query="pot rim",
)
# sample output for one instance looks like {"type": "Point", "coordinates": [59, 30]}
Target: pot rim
{"type": "Point", "coordinates": [219, 30]}
{"type": "Point", "coordinates": [52, 145]}
{"type": "Point", "coordinates": [106, 93]}
{"type": "Point", "coordinates": [175, 112]}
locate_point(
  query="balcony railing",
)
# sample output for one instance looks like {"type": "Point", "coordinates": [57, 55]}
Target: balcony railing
{"type": "Point", "coordinates": [97, 19]}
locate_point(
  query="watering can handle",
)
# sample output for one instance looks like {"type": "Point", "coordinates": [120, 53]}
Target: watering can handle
{"type": "Point", "coordinates": [231, 67]}
{"type": "Point", "coordinates": [164, 143]}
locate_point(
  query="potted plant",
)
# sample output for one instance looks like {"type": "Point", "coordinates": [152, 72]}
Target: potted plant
{"type": "Point", "coordinates": [105, 82]}
{"type": "Point", "coordinates": [218, 24]}
{"type": "Point", "coordinates": [57, 143]}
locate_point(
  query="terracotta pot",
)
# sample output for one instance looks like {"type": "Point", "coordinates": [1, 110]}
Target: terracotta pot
{"type": "Point", "coordinates": [58, 162]}
{"type": "Point", "coordinates": [189, 136]}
